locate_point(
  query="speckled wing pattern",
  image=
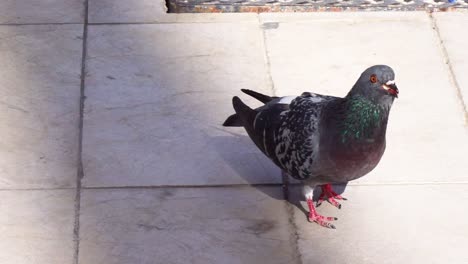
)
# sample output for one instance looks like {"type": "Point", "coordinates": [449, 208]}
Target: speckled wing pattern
{"type": "Point", "coordinates": [296, 138]}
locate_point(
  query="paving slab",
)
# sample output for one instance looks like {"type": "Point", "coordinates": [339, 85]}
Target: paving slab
{"type": "Point", "coordinates": [452, 28]}
{"type": "Point", "coordinates": [156, 98]}
{"type": "Point", "coordinates": [154, 11]}
{"type": "Point", "coordinates": [41, 11]}
{"type": "Point", "coordinates": [39, 105]}
{"type": "Point", "coordinates": [37, 226]}
{"type": "Point", "coordinates": [185, 225]}
{"type": "Point", "coordinates": [326, 53]}
{"type": "Point", "coordinates": [390, 224]}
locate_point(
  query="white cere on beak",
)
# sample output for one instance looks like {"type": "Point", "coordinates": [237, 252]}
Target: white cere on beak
{"type": "Point", "coordinates": [390, 82]}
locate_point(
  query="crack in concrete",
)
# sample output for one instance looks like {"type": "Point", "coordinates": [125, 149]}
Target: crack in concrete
{"type": "Point", "coordinates": [14, 107]}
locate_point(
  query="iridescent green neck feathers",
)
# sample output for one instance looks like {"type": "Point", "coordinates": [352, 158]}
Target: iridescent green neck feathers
{"type": "Point", "coordinates": [362, 120]}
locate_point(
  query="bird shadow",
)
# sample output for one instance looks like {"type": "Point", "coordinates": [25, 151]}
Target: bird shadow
{"type": "Point", "coordinates": [241, 155]}
{"type": "Point", "coordinates": [250, 169]}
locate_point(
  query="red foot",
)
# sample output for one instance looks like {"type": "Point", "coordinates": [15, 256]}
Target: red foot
{"type": "Point", "coordinates": [330, 196]}
{"type": "Point", "coordinates": [319, 219]}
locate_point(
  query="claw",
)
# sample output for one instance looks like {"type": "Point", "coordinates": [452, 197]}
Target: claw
{"type": "Point", "coordinates": [322, 222]}
{"type": "Point", "coordinates": [332, 201]}
{"type": "Point", "coordinates": [325, 224]}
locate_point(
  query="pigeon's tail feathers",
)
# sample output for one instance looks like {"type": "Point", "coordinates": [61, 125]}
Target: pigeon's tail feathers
{"type": "Point", "coordinates": [261, 97]}
{"type": "Point", "coordinates": [233, 121]}
{"type": "Point", "coordinates": [244, 113]}
{"type": "Point", "coordinates": [248, 116]}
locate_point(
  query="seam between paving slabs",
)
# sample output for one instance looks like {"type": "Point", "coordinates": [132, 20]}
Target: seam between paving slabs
{"type": "Point", "coordinates": [295, 232]}
{"type": "Point", "coordinates": [284, 177]}
{"type": "Point", "coordinates": [452, 76]}
{"type": "Point", "coordinates": [39, 189]}
{"type": "Point", "coordinates": [230, 186]}
{"type": "Point", "coordinates": [80, 172]}
{"type": "Point", "coordinates": [183, 186]}
{"type": "Point", "coordinates": [39, 24]}
{"type": "Point", "coordinates": [271, 83]}
{"type": "Point", "coordinates": [259, 185]}
{"type": "Point", "coordinates": [168, 22]}
{"type": "Point", "coordinates": [263, 27]}
{"type": "Point", "coordinates": [129, 23]}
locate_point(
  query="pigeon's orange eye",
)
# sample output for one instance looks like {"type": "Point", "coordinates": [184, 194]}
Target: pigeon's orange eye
{"type": "Point", "coordinates": [373, 78]}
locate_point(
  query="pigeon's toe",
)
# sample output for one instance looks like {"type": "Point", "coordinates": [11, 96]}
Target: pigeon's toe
{"type": "Point", "coordinates": [322, 220]}
{"type": "Point", "coordinates": [330, 196]}
{"type": "Point", "coordinates": [331, 200]}
{"type": "Point", "coordinates": [319, 219]}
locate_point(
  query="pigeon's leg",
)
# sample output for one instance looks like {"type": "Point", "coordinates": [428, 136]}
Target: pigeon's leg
{"type": "Point", "coordinates": [330, 195]}
{"type": "Point", "coordinates": [313, 215]}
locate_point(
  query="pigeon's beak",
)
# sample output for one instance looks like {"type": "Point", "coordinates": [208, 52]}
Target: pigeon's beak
{"type": "Point", "coordinates": [391, 88]}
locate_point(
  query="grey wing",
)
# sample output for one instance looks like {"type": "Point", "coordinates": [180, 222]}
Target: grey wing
{"type": "Point", "coordinates": [266, 121]}
{"type": "Point", "coordinates": [264, 125]}
{"type": "Point", "coordinates": [296, 139]}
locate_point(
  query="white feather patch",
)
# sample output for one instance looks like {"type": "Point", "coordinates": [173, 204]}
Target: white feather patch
{"type": "Point", "coordinates": [286, 99]}
{"type": "Point", "coordinates": [315, 99]}
{"type": "Point", "coordinates": [308, 192]}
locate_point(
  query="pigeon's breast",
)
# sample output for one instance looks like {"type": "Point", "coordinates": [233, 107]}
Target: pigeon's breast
{"type": "Point", "coordinates": [354, 162]}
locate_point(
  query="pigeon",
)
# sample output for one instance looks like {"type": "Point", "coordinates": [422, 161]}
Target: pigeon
{"type": "Point", "coordinates": [321, 139]}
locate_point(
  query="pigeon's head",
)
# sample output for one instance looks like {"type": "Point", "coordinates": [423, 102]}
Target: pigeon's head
{"type": "Point", "coordinates": [376, 83]}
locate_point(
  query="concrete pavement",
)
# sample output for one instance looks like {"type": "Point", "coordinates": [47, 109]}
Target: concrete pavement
{"type": "Point", "coordinates": [118, 156]}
